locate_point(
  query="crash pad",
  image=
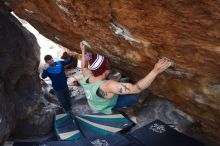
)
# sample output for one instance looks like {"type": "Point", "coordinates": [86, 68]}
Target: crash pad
{"type": "Point", "coordinates": [65, 127]}
{"type": "Point", "coordinates": [157, 133]}
{"type": "Point", "coordinates": [93, 125]}
{"type": "Point", "coordinates": [79, 142]}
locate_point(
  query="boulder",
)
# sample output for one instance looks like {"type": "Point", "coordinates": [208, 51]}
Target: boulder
{"type": "Point", "coordinates": [21, 110]}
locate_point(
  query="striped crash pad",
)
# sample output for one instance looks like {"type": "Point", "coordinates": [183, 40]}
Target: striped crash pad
{"type": "Point", "coordinates": [96, 125]}
{"type": "Point", "coordinates": [79, 142]}
{"type": "Point", "coordinates": [66, 128]}
{"type": "Point", "coordinates": [158, 133]}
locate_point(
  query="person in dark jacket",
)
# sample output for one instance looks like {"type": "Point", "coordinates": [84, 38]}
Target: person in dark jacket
{"type": "Point", "coordinates": [55, 71]}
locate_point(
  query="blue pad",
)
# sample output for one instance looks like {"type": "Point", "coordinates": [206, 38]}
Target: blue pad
{"type": "Point", "coordinates": [158, 133]}
{"type": "Point", "coordinates": [96, 125]}
{"type": "Point", "coordinates": [114, 139]}
{"type": "Point", "coordinates": [110, 140]}
{"type": "Point", "coordinates": [65, 127]}
{"type": "Point", "coordinates": [80, 142]}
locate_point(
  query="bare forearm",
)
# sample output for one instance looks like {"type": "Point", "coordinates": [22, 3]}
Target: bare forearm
{"type": "Point", "coordinates": [127, 88]}
{"type": "Point", "coordinates": [140, 85]}
{"type": "Point", "coordinates": [83, 62]}
{"type": "Point", "coordinates": [146, 81]}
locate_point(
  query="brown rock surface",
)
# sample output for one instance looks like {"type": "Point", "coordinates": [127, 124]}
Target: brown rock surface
{"type": "Point", "coordinates": [135, 33]}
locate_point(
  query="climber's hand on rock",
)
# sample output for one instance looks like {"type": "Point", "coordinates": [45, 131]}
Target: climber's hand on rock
{"type": "Point", "coordinates": [82, 46]}
{"type": "Point", "coordinates": [162, 65]}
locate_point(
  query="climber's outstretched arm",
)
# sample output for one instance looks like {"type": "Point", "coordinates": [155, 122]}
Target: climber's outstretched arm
{"type": "Point", "coordinates": [127, 88]}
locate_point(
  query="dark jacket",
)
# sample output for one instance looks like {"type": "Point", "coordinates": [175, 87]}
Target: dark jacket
{"type": "Point", "coordinates": [57, 74]}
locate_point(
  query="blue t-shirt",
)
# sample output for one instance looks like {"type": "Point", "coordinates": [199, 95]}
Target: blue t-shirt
{"type": "Point", "coordinates": [57, 74]}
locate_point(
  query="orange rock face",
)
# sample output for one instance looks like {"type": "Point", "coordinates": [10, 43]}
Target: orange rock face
{"type": "Point", "coordinates": [135, 33]}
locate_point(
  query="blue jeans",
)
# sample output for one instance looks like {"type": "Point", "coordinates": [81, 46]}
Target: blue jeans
{"type": "Point", "coordinates": [64, 98]}
{"type": "Point", "coordinates": [126, 100]}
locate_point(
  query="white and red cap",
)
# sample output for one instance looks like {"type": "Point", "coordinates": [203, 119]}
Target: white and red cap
{"type": "Point", "coordinates": [97, 64]}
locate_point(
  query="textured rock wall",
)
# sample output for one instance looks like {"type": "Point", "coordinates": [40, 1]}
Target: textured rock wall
{"type": "Point", "coordinates": [135, 33]}
{"type": "Point", "coordinates": [21, 112]}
